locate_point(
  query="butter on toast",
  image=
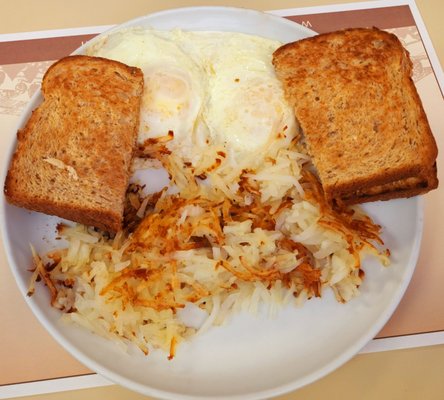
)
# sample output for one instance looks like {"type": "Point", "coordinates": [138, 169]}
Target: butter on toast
{"type": "Point", "coordinates": [73, 157]}
{"type": "Point", "coordinates": [362, 118]}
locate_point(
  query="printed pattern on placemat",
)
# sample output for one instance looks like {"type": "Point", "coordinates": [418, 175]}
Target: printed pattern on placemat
{"type": "Point", "coordinates": [411, 40]}
{"type": "Point", "coordinates": [18, 83]}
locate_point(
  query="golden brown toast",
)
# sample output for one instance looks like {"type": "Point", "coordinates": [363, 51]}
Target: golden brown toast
{"type": "Point", "coordinates": [362, 118]}
{"type": "Point", "coordinates": [73, 157]}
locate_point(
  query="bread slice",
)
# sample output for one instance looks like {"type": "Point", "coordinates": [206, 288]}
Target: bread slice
{"type": "Point", "coordinates": [73, 157]}
{"type": "Point", "coordinates": [362, 118]}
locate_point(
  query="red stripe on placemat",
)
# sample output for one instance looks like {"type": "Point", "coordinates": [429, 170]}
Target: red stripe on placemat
{"type": "Point", "coordinates": [21, 51]}
{"type": "Point", "coordinates": [383, 18]}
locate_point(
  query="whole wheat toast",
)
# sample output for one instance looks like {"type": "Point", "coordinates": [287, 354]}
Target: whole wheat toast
{"type": "Point", "coordinates": [73, 157]}
{"type": "Point", "coordinates": [362, 118]}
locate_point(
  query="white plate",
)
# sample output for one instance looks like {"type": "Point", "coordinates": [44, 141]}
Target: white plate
{"type": "Point", "coordinates": [251, 357]}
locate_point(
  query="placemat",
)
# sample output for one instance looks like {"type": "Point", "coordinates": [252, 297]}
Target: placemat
{"type": "Point", "coordinates": [32, 362]}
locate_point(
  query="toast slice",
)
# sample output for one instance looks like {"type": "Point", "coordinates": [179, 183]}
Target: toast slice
{"type": "Point", "coordinates": [73, 157]}
{"type": "Point", "coordinates": [362, 118]}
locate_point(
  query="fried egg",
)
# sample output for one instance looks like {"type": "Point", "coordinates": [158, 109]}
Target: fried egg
{"type": "Point", "coordinates": [213, 90]}
{"type": "Point", "coordinates": [246, 107]}
{"type": "Point", "coordinates": [174, 84]}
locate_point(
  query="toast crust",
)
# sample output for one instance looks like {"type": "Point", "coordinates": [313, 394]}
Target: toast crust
{"type": "Point", "coordinates": [73, 156]}
{"type": "Point", "coordinates": [404, 188]}
{"type": "Point", "coordinates": [361, 115]}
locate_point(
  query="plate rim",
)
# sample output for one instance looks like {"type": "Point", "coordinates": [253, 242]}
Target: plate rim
{"type": "Point", "coordinates": [74, 351]}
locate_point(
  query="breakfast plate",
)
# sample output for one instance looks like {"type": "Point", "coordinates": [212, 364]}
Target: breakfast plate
{"type": "Point", "coordinates": [251, 356]}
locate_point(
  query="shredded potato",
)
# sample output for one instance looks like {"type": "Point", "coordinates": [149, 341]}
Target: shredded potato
{"type": "Point", "coordinates": [268, 238]}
